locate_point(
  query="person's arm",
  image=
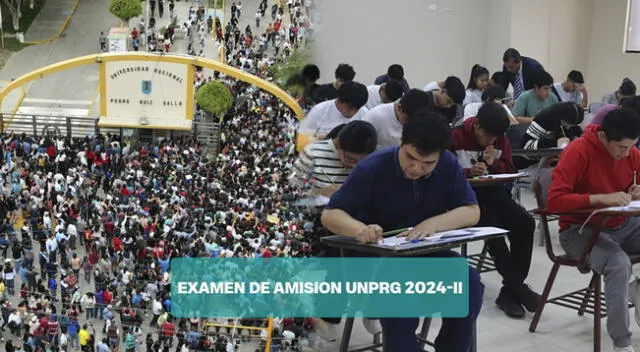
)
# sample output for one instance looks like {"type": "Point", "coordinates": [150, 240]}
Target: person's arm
{"type": "Point", "coordinates": [310, 122]}
{"type": "Point", "coordinates": [562, 195]}
{"type": "Point", "coordinates": [347, 203]}
{"type": "Point", "coordinates": [520, 109]}
{"type": "Point", "coordinates": [585, 97]}
{"type": "Point", "coordinates": [503, 164]}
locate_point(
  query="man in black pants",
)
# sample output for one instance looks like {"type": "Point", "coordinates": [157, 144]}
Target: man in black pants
{"type": "Point", "coordinates": [482, 148]}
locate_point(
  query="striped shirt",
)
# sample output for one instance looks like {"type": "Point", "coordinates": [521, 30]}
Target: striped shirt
{"type": "Point", "coordinates": [319, 165]}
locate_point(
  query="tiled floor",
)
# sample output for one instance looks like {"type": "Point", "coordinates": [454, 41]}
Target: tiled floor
{"type": "Point", "coordinates": [559, 329]}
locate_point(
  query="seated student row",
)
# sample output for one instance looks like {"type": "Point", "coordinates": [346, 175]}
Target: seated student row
{"type": "Point", "coordinates": [487, 130]}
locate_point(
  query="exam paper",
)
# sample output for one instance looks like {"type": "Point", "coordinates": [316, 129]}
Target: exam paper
{"type": "Point", "coordinates": [446, 236]}
{"type": "Point", "coordinates": [519, 174]}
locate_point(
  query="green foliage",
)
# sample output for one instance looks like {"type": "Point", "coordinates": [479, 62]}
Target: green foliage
{"type": "Point", "coordinates": [125, 9]}
{"type": "Point", "coordinates": [288, 72]}
{"type": "Point", "coordinates": [214, 98]}
{"type": "Point", "coordinates": [27, 15]}
{"type": "Point", "coordinates": [216, 4]}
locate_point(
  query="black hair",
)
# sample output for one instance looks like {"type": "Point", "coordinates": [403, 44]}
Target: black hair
{"type": "Point", "coordinates": [414, 100]}
{"type": "Point", "coordinates": [353, 93]}
{"type": "Point", "coordinates": [393, 89]}
{"type": "Point", "coordinates": [621, 123]}
{"type": "Point", "coordinates": [493, 92]}
{"type": "Point", "coordinates": [396, 72]}
{"type": "Point", "coordinates": [311, 73]}
{"type": "Point", "coordinates": [627, 87]}
{"type": "Point", "coordinates": [358, 137]}
{"type": "Point", "coordinates": [345, 72]}
{"type": "Point", "coordinates": [632, 103]}
{"type": "Point", "coordinates": [427, 131]}
{"type": "Point", "coordinates": [334, 132]}
{"type": "Point", "coordinates": [497, 77]}
{"type": "Point", "coordinates": [493, 118]}
{"type": "Point", "coordinates": [511, 54]}
{"type": "Point", "coordinates": [568, 111]}
{"type": "Point", "coordinates": [476, 71]}
{"type": "Point", "coordinates": [576, 77]}
{"type": "Point", "coordinates": [542, 78]}
{"type": "Point", "coordinates": [455, 89]}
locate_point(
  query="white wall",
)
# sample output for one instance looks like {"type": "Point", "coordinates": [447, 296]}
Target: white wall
{"type": "Point", "coordinates": [372, 34]}
{"type": "Point", "coordinates": [564, 35]}
{"type": "Point", "coordinates": [607, 64]}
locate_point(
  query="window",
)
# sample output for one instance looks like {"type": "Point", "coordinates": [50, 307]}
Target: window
{"type": "Point", "coordinates": [632, 36]}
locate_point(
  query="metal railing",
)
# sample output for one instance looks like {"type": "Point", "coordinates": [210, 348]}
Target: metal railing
{"type": "Point", "coordinates": [43, 125]}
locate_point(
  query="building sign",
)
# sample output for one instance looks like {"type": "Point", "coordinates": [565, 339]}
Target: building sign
{"type": "Point", "coordinates": [147, 91]}
{"type": "Point", "coordinates": [117, 40]}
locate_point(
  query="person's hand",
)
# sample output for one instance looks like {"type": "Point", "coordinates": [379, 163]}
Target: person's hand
{"type": "Point", "coordinates": [617, 199]}
{"type": "Point", "coordinates": [478, 169]}
{"type": "Point", "coordinates": [563, 142]}
{"type": "Point", "coordinates": [511, 104]}
{"type": "Point", "coordinates": [369, 234]}
{"type": "Point", "coordinates": [490, 155]}
{"type": "Point", "coordinates": [417, 233]}
{"type": "Point", "coordinates": [634, 191]}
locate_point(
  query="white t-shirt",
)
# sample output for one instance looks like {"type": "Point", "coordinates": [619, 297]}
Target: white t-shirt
{"type": "Point", "coordinates": [374, 96]}
{"type": "Point", "coordinates": [472, 110]}
{"type": "Point", "coordinates": [325, 116]}
{"type": "Point", "coordinates": [389, 130]}
{"type": "Point", "coordinates": [575, 96]}
{"type": "Point", "coordinates": [431, 86]}
{"type": "Point", "coordinates": [472, 96]}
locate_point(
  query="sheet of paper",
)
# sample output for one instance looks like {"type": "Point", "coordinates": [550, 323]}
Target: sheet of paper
{"type": "Point", "coordinates": [634, 205]}
{"type": "Point", "coordinates": [446, 236]}
{"type": "Point", "coordinates": [519, 174]}
{"type": "Point", "coordinates": [317, 201]}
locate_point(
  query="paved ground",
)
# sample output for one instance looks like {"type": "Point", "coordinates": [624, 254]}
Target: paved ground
{"type": "Point", "coordinates": [49, 20]}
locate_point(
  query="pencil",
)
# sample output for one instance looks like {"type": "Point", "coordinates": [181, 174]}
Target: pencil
{"type": "Point", "coordinates": [473, 160]}
{"type": "Point", "coordinates": [564, 134]}
{"type": "Point", "coordinates": [395, 232]}
{"type": "Point", "coordinates": [635, 173]}
{"type": "Point", "coordinates": [327, 176]}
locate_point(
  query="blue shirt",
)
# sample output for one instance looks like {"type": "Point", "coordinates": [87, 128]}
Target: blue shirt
{"type": "Point", "coordinates": [377, 192]}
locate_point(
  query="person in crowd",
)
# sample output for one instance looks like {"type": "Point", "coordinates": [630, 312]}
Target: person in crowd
{"type": "Point", "coordinates": [482, 149]}
{"type": "Point", "coordinates": [330, 91]}
{"type": "Point", "coordinates": [477, 83]}
{"type": "Point", "coordinates": [531, 102]}
{"type": "Point", "coordinates": [583, 180]}
{"type": "Point", "coordinates": [627, 90]}
{"type": "Point", "coordinates": [388, 119]}
{"type": "Point", "coordinates": [519, 72]}
{"type": "Point", "coordinates": [363, 208]}
{"type": "Point", "coordinates": [572, 89]}
{"type": "Point", "coordinates": [383, 94]}
{"type": "Point", "coordinates": [395, 72]}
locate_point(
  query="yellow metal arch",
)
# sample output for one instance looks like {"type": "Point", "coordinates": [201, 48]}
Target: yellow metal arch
{"type": "Point", "coordinates": [143, 56]}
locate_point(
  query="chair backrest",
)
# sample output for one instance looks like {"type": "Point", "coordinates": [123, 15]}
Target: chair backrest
{"type": "Point", "coordinates": [515, 134]}
{"type": "Point", "coordinates": [541, 186]}
{"type": "Point", "coordinates": [594, 107]}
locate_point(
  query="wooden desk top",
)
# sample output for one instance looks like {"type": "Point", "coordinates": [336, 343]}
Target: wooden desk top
{"type": "Point", "coordinates": [405, 250]}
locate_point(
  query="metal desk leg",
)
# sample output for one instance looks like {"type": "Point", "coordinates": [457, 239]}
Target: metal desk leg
{"type": "Point", "coordinates": [346, 335]}
{"type": "Point", "coordinates": [422, 338]}
{"type": "Point", "coordinates": [463, 250]}
{"type": "Point", "coordinates": [474, 345]}
{"type": "Point", "coordinates": [540, 234]}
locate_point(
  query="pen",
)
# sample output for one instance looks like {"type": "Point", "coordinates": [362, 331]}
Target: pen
{"type": "Point", "coordinates": [396, 232]}
{"type": "Point", "coordinates": [564, 134]}
{"type": "Point", "coordinates": [635, 173]}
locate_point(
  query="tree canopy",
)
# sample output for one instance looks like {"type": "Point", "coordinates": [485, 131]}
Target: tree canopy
{"type": "Point", "coordinates": [214, 98]}
{"type": "Point", "coordinates": [125, 9]}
